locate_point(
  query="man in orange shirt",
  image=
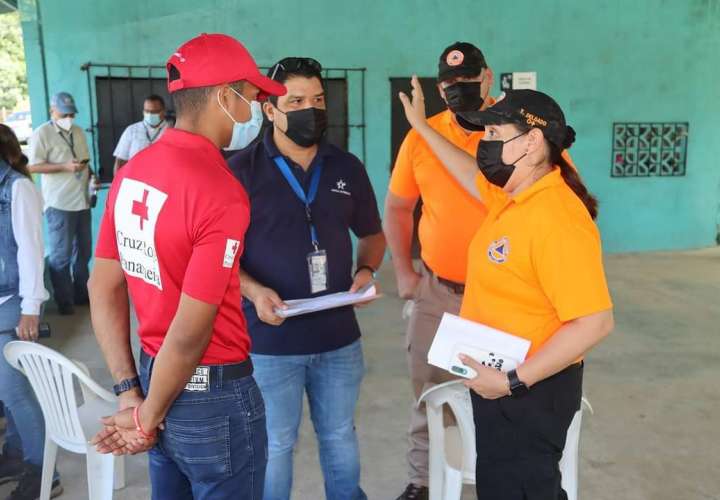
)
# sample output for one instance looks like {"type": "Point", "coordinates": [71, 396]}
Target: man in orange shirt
{"type": "Point", "coordinates": [450, 218]}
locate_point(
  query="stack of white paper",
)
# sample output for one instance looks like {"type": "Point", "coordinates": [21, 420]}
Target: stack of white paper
{"type": "Point", "coordinates": [340, 299]}
{"type": "Point", "coordinates": [488, 346]}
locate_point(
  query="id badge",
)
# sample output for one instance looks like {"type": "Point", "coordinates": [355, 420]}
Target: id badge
{"type": "Point", "coordinates": [318, 269]}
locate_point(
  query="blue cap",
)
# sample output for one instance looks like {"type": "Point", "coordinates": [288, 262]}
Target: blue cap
{"type": "Point", "coordinates": [63, 103]}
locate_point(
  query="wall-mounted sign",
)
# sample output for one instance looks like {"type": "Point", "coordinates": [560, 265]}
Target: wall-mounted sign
{"type": "Point", "coordinates": [518, 80]}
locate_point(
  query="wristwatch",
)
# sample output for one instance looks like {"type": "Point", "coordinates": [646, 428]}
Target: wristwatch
{"type": "Point", "coordinates": [517, 386]}
{"type": "Point", "coordinates": [126, 385]}
{"type": "Point", "coordinates": [369, 268]}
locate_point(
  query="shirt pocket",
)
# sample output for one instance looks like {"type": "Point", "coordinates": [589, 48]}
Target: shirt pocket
{"type": "Point", "coordinates": [200, 447]}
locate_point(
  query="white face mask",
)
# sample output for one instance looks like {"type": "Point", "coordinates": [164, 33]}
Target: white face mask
{"type": "Point", "coordinates": [152, 119]}
{"type": "Point", "coordinates": [65, 123]}
{"type": "Point", "coordinates": [243, 132]}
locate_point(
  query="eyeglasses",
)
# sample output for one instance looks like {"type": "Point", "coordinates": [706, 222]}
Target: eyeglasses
{"type": "Point", "coordinates": [293, 64]}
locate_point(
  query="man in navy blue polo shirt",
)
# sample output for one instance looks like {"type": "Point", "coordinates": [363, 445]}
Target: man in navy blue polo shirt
{"type": "Point", "coordinates": [306, 196]}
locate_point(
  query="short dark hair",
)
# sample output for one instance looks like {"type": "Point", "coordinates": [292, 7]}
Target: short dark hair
{"type": "Point", "coordinates": [292, 67]}
{"type": "Point", "coordinates": [156, 98]}
{"type": "Point", "coordinates": [191, 101]}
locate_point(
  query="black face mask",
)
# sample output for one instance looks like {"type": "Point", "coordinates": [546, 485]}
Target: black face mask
{"type": "Point", "coordinates": [464, 96]}
{"type": "Point", "coordinates": [305, 127]}
{"type": "Point", "coordinates": [489, 160]}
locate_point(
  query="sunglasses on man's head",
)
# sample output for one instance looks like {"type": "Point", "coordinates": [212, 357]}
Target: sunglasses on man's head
{"type": "Point", "coordinates": [292, 64]}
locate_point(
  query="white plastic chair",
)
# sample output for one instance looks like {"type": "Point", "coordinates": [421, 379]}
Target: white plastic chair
{"type": "Point", "coordinates": [68, 425]}
{"type": "Point", "coordinates": [452, 449]}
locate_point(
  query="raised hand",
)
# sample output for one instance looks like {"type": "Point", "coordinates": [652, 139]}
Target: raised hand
{"type": "Point", "coordinates": [415, 108]}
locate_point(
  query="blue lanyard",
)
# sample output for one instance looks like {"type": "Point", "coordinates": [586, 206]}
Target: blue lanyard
{"type": "Point", "coordinates": [300, 192]}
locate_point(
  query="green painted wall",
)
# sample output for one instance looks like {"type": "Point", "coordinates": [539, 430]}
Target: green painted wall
{"type": "Point", "coordinates": [604, 61]}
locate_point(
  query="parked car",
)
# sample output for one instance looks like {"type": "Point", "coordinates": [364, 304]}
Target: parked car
{"type": "Point", "coordinates": [21, 123]}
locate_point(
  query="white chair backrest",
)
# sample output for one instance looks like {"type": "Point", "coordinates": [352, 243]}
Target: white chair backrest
{"type": "Point", "coordinates": [457, 397]}
{"type": "Point", "coordinates": [51, 377]}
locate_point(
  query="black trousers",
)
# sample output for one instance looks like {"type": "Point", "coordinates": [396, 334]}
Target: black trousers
{"type": "Point", "coordinates": [520, 441]}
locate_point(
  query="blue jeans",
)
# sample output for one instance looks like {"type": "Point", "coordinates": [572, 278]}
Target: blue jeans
{"type": "Point", "coordinates": [332, 381]}
{"type": "Point", "coordinates": [24, 416]}
{"type": "Point", "coordinates": [214, 446]}
{"type": "Point", "coordinates": [70, 245]}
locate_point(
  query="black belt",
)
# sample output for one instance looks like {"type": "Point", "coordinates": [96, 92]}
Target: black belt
{"type": "Point", "coordinates": [456, 288]}
{"type": "Point", "coordinates": [217, 372]}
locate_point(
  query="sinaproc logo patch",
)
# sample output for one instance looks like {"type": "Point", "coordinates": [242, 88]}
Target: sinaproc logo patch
{"type": "Point", "coordinates": [499, 250]}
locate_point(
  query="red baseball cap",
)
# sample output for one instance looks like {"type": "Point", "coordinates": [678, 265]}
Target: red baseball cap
{"type": "Point", "coordinates": [214, 59]}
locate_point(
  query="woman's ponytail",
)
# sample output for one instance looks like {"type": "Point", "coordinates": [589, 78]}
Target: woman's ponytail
{"type": "Point", "coordinates": [571, 176]}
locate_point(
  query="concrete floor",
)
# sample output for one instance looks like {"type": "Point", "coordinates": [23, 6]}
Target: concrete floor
{"type": "Point", "coordinates": [653, 385]}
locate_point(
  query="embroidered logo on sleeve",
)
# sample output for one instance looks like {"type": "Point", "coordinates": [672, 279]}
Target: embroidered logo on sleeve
{"type": "Point", "coordinates": [231, 250]}
{"type": "Point", "coordinates": [137, 208]}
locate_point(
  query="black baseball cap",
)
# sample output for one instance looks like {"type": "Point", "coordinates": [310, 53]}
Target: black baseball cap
{"type": "Point", "coordinates": [460, 59]}
{"type": "Point", "coordinates": [526, 107]}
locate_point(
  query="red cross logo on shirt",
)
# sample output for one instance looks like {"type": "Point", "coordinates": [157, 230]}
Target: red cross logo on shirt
{"type": "Point", "coordinates": [140, 209]}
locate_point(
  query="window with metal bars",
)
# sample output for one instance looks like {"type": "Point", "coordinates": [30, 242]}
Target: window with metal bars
{"type": "Point", "coordinates": [116, 93]}
{"type": "Point", "coordinates": [644, 149]}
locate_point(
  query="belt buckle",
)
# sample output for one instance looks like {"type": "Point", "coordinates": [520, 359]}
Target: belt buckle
{"type": "Point", "coordinates": [200, 380]}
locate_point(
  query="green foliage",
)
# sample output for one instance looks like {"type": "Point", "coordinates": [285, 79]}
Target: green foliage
{"type": "Point", "coordinates": [13, 75]}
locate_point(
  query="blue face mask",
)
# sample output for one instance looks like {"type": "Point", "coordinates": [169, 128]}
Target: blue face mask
{"type": "Point", "coordinates": [244, 132]}
{"type": "Point", "coordinates": [152, 119]}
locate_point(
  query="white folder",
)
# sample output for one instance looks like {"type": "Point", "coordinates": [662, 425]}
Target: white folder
{"type": "Point", "coordinates": [488, 346]}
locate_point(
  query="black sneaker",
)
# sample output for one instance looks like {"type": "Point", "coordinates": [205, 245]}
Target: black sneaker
{"type": "Point", "coordinates": [414, 492]}
{"type": "Point", "coordinates": [10, 469]}
{"type": "Point", "coordinates": [29, 486]}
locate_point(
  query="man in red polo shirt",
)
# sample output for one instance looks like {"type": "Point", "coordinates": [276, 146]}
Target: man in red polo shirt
{"type": "Point", "coordinates": [171, 236]}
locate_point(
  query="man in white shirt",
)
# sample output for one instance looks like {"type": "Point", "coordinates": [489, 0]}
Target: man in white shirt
{"type": "Point", "coordinates": [140, 135]}
{"type": "Point", "coordinates": [59, 152]}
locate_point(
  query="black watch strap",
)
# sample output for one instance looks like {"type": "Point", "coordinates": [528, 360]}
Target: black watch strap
{"type": "Point", "coordinates": [126, 385]}
{"type": "Point", "coordinates": [369, 268]}
{"type": "Point", "coordinates": [517, 386]}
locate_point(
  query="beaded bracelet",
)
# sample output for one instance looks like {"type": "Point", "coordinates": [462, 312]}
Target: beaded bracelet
{"type": "Point", "coordinates": [138, 427]}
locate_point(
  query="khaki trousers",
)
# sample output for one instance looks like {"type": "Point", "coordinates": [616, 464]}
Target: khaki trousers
{"type": "Point", "coordinates": [432, 300]}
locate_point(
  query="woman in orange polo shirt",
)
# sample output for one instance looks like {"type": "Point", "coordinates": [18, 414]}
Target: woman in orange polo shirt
{"type": "Point", "coordinates": [535, 271]}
